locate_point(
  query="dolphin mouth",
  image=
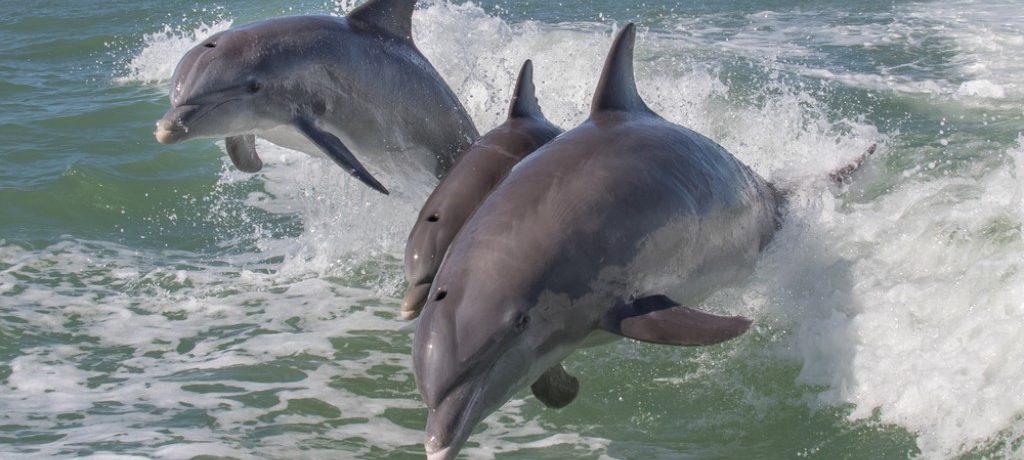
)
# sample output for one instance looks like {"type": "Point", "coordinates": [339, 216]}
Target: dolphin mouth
{"type": "Point", "coordinates": [451, 422]}
{"type": "Point", "coordinates": [175, 125]}
{"type": "Point", "coordinates": [443, 454]}
{"type": "Point", "coordinates": [169, 133]}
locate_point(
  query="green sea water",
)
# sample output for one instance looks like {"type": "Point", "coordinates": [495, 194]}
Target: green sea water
{"type": "Point", "coordinates": [157, 303]}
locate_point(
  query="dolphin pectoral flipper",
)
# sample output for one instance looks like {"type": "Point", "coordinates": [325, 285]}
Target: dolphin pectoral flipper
{"type": "Point", "coordinates": [556, 388]}
{"type": "Point", "coordinates": [658, 319]}
{"type": "Point", "coordinates": [242, 150]}
{"type": "Point", "coordinates": [334, 148]}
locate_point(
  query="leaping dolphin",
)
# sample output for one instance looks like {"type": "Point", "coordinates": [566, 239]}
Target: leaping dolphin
{"type": "Point", "coordinates": [322, 85]}
{"type": "Point", "coordinates": [477, 172]}
{"type": "Point", "coordinates": [615, 227]}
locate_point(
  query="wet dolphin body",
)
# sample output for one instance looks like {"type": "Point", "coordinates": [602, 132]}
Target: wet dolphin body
{"type": "Point", "coordinates": [322, 85]}
{"type": "Point", "coordinates": [609, 229]}
{"type": "Point", "coordinates": [476, 173]}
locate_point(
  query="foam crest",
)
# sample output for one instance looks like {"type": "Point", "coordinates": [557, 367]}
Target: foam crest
{"type": "Point", "coordinates": [989, 42]}
{"type": "Point", "coordinates": [906, 307]}
{"type": "Point", "coordinates": [348, 230]}
{"type": "Point", "coordinates": [673, 82]}
{"type": "Point", "coordinates": [480, 56]}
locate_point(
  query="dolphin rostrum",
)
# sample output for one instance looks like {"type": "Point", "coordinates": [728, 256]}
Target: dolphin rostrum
{"type": "Point", "coordinates": [322, 85]}
{"type": "Point", "coordinates": [615, 227]}
{"type": "Point", "coordinates": [477, 172]}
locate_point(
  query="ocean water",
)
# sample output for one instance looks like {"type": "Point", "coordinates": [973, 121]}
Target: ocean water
{"type": "Point", "coordinates": [157, 303]}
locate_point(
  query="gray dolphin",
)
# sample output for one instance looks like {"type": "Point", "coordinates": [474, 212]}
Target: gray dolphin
{"type": "Point", "coordinates": [322, 85]}
{"type": "Point", "coordinates": [610, 229]}
{"type": "Point", "coordinates": [477, 172]}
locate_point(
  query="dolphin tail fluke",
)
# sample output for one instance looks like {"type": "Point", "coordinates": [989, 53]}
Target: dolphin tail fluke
{"type": "Point", "coordinates": [844, 175]}
{"type": "Point", "coordinates": [658, 319]}
{"type": "Point", "coordinates": [391, 16]}
{"type": "Point", "coordinates": [841, 177]}
{"type": "Point", "coordinates": [242, 151]}
{"type": "Point", "coordinates": [337, 151]}
{"type": "Point", "coordinates": [556, 388]}
{"type": "Point", "coordinates": [617, 89]}
{"type": "Point", "coordinates": [524, 99]}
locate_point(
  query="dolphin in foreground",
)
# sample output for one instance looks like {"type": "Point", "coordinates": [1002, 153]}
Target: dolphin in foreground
{"type": "Point", "coordinates": [322, 85]}
{"type": "Point", "coordinates": [616, 227]}
{"type": "Point", "coordinates": [478, 171]}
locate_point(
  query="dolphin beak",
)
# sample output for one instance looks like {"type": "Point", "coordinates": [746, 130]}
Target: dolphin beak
{"type": "Point", "coordinates": [169, 132]}
{"type": "Point", "coordinates": [451, 422]}
{"type": "Point", "coordinates": [443, 454]}
{"type": "Point", "coordinates": [414, 299]}
{"type": "Point", "coordinates": [171, 128]}
{"type": "Point", "coordinates": [459, 392]}
{"type": "Point", "coordinates": [183, 122]}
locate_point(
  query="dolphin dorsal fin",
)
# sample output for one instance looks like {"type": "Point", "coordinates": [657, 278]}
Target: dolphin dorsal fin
{"type": "Point", "coordinates": [617, 88]}
{"type": "Point", "coordinates": [524, 98]}
{"type": "Point", "coordinates": [391, 16]}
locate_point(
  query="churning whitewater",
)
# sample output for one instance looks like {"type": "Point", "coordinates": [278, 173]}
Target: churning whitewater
{"type": "Point", "coordinates": [156, 302]}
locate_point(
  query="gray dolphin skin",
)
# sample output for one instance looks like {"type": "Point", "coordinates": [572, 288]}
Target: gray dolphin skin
{"type": "Point", "coordinates": [477, 172]}
{"type": "Point", "coordinates": [608, 230]}
{"type": "Point", "coordinates": [322, 85]}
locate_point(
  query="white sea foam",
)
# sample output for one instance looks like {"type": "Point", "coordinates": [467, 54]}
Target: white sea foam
{"type": "Point", "coordinates": [989, 41]}
{"type": "Point", "coordinates": [170, 335]}
{"type": "Point", "coordinates": [908, 306]}
{"type": "Point", "coordinates": [981, 88]}
{"type": "Point", "coordinates": [897, 83]}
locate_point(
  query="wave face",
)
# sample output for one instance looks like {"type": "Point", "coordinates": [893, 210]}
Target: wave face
{"type": "Point", "coordinates": [156, 302]}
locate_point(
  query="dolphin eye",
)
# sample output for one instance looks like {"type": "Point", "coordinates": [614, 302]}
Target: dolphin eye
{"type": "Point", "coordinates": [522, 321]}
{"type": "Point", "coordinates": [210, 45]}
{"type": "Point", "coordinates": [253, 87]}
{"type": "Point", "coordinates": [434, 217]}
